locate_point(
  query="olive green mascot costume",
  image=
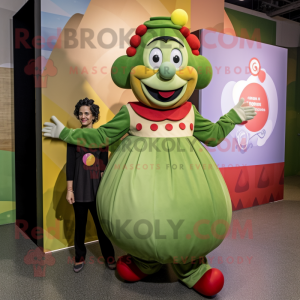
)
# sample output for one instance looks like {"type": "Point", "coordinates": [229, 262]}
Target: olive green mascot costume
{"type": "Point", "coordinates": [162, 198]}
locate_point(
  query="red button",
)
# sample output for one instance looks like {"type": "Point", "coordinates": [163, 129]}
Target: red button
{"type": "Point", "coordinates": [153, 127]}
{"type": "Point", "coordinates": [169, 127]}
{"type": "Point", "coordinates": [191, 126]}
{"type": "Point", "coordinates": [182, 126]}
{"type": "Point", "coordinates": [139, 126]}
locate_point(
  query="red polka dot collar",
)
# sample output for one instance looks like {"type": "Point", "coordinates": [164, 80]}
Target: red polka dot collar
{"type": "Point", "coordinates": [152, 114]}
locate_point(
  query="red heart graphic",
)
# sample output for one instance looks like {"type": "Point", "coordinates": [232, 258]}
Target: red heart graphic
{"type": "Point", "coordinates": [262, 76]}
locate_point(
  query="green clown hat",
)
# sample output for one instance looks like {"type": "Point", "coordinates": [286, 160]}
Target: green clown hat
{"type": "Point", "coordinates": [162, 28]}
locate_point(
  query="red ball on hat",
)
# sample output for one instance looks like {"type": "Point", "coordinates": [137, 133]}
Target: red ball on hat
{"type": "Point", "coordinates": [135, 41]}
{"type": "Point", "coordinates": [193, 42]}
{"type": "Point", "coordinates": [131, 51]}
{"type": "Point", "coordinates": [141, 30]}
{"type": "Point", "coordinates": [185, 31]}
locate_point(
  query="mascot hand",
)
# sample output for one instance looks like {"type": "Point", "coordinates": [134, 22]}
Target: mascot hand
{"type": "Point", "coordinates": [244, 110]}
{"type": "Point", "coordinates": [53, 130]}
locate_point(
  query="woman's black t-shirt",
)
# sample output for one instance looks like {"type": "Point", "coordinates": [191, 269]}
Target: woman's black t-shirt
{"type": "Point", "coordinates": [84, 167]}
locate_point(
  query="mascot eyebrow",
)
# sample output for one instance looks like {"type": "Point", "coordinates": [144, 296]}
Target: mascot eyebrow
{"type": "Point", "coordinates": [165, 39]}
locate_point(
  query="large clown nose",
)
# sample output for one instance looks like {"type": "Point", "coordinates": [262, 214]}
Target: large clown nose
{"type": "Point", "coordinates": [167, 70]}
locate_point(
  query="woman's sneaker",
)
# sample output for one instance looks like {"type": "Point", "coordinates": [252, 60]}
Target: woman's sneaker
{"type": "Point", "coordinates": [78, 268]}
{"type": "Point", "coordinates": [111, 263]}
{"type": "Point", "coordinates": [111, 266]}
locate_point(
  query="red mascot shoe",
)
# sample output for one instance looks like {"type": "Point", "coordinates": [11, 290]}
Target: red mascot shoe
{"type": "Point", "coordinates": [211, 283]}
{"type": "Point", "coordinates": [128, 270]}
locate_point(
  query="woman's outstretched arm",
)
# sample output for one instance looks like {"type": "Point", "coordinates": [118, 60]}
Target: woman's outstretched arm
{"type": "Point", "coordinates": [91, 138]}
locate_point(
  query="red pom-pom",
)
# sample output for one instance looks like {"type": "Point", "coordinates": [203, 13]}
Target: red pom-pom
{"type": "Point", "coordinates": [131, 51]}
{"type": "Point", "coordinates": [135, 41]}
{"type": "Point", "coordinates": [185, 31]}
{"type": "Point", "coordinates": [196, 52]}
{"type": "Point", "coordinates": [141, 30]}
{"type": "Point", "coordinates": [193, 42]}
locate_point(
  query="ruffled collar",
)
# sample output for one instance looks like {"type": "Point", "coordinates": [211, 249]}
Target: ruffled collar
{"type": "Point", "coordinates": [157, 115]}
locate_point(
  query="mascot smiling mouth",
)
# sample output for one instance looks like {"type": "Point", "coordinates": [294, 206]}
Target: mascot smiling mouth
{"type": "Point", "coordinates": [163, 96]}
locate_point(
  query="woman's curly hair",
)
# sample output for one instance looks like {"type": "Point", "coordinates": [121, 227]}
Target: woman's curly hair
{"type": "Point", "coordinates": [93, 107]}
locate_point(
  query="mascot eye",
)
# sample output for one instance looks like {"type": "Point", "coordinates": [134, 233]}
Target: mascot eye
{"type": "Point", "coordinates": [176, 58]}
{"type": "Point", "coordinates": [155, 58]}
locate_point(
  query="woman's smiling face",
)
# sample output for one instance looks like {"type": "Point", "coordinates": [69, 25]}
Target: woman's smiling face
{"type": "Point", "coordinates": [85, 116]}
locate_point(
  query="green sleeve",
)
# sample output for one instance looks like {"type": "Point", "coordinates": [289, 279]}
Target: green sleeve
{"type": "Point", "coordinates": [102, 136]}
{"type": "Point", "coordinates": [212, 134]}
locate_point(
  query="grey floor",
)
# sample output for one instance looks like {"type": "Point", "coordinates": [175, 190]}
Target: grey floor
{"type": "Point", "coordinates": [264, 264]}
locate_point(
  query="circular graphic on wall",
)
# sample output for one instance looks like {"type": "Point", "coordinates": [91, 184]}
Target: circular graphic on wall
{"type": "Point", "coordinates": [254, 66]}
{"type": "Point", "coordinates": [256, 96]}
{"type": "Point", "coordinates": [260, 92]}
{"type": "Point", "coordinates": [88, 159]}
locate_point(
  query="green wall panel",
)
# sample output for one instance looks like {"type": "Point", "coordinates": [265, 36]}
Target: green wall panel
{"type": "Point", "coordinates": [7, 187]}
{"type": "Point", "coordinates": [252, 27]}
{"type": "Point", "coordinates": [292, 140]}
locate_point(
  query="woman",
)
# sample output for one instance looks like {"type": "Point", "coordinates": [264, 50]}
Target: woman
{"type": "Point", "coordinates": [84, 170]}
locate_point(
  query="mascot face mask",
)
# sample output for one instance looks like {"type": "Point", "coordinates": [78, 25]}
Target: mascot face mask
{"type": "Point", "coordinates": [161, 68]}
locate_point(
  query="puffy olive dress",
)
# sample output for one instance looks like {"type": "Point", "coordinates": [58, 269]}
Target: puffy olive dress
{"type": "Point", "coordinates": [162, 197]}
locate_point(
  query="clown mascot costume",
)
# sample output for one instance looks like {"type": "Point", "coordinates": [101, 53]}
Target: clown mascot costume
{"type": "Point", "coordinates": [162, 198]}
